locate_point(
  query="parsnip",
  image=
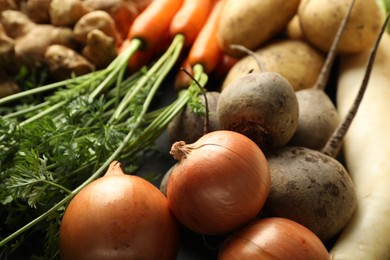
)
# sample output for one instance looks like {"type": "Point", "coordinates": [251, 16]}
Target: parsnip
{"type": "Point", "coordinates": [367, 155]}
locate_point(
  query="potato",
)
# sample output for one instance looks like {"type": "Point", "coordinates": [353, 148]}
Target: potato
{"type": "Point", "coordinates": [251, 23]}
{"type": "Point", "coordinates": [294, 30]}
{"type": "Point", "coordinates": [320, 20]}
{"type": "Point", "coordinates": [295, 60]}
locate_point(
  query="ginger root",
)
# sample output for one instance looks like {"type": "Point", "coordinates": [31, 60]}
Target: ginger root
{"type": "Point", "coordinates": [95, 20]}
{"type": "Point", "coordinates": [66, 12]}
{"type": "Point", "coordinates": [122, 11]}
{"type": "Point", "coordinates": [100, 48]}
{"type": "Point", "coordinates": [64, 62]}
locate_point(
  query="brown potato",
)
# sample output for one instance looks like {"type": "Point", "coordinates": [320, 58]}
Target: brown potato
{"type": "Point", "coordinates": [252, 23]}
{"type": "Point", "coordinates": [294, 30]}
{"type": "Point", "coordinates": [295, 60]}
{"type": "Point", "coordinates": [320, 20]}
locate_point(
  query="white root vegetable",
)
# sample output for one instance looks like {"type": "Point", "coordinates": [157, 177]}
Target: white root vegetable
{"type": "Point", "coordinates": [367, 153]}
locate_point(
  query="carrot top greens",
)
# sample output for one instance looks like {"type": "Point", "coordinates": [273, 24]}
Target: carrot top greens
{"type": "Point", "coordinates": [51, 150]}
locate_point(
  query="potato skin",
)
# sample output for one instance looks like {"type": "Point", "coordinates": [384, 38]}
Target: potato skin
{"type": "Point", "coordinates": [252, 22]}
{"type": "Point", "coordinates": [320, 19]}
{"type": "Point", "coordinates": [295, 60]}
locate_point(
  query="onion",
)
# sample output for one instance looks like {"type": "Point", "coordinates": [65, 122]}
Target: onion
{"type": "Point", "coordinates": [219, 184]}
{"type": "Point", "coordinates": [273, 238]}
{"type": "Point", "coordinates": [119, 216]}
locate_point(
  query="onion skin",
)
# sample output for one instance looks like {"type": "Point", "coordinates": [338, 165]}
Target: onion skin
{"type": "Point", "coordinates": [220, 183]}
{"type": "Point", "coordinates": [119, 216]}
{"type": "Point", "coordinates": [273, 238]}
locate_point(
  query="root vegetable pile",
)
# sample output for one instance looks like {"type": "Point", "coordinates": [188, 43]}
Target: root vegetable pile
{"type": "Point", "coordinates": [318, 116]}
{"type": "Point", "coordinates": [31, 27]}
{"type": "Point", "coordinates": [219, 183]}
{"type": "Point", "coordinates": [134, 129]}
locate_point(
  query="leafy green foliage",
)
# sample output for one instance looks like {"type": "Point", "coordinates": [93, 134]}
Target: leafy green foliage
{"type": "Point", "coordinates": [54, 148]}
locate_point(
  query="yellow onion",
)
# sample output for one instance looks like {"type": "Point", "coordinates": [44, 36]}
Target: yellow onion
{"type": "Point", "coordinates": [271, 239]}
{"type": "Point", "coordinates": [119, 216]}
{"type": "Point", "coordinates": [219, 183]}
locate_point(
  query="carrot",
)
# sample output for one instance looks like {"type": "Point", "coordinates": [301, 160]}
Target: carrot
{"type": "Point", "coordinates": [153, 22]}
{"type": "Point", "coordinates": [182, 81]}
{"type": "Point", "coordinates": [181, 28]}
{"type": "Point", "coordinates": [145, 33]}
{"type": "Point", "coordinates": [190, 19]}
{"type": "Point", "coordinates": [205, 49]}
{"type": "Point", "coordinates": [139, 58]}
{"type": "Point", "coordinates": [144, 57]}
{"type": "Point", "coordinates": [223, 66]}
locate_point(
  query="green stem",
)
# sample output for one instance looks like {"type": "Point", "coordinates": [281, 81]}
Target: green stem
{"type": "Point", "coordinates": [112, 157]}
{"type": "Point", "coordinates": [65, 200]}
{"type": "Point", "coordinates": [118, 66]}
{"type": "Point", "coordinates": [44, 181]}
{"type": "Point", "coordinates": [40, 89]}
{"type": "Point", "coordinates": [200, 75]}
{"type": "Point", "coordinates": [43, 113]}
{"type": "Point", "coordinates": [177, 43]}
{"type": "Point", "coordinates": [158, 125]}
{"type": "Point", "coordinates": [27, 110]}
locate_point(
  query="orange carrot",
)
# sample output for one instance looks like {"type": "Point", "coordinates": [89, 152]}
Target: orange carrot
{"type": "Point", "coordinates": [205, 49]}
{"type": "Point", "coordinates": [144, 57]}
{"type": "Point", "coordinates": [225, 63]}
{"type": "Point", "coordinates": [190, 19]}
{"type": "Point", "coordinates": [124, 18]}
{"type": "Point", "coordinates": [140, 59]}
{"type": "Point", "coordinates": [153, 22]}
{"type": "Point", "coordinates": [182, 80]}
